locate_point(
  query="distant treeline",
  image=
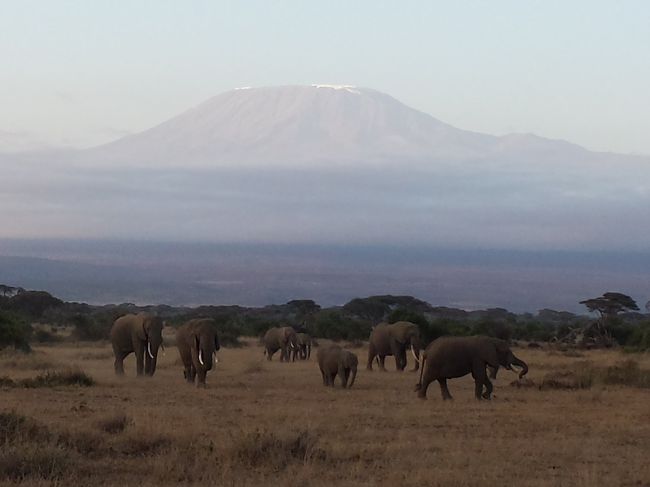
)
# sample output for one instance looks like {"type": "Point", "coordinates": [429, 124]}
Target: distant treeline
{"type": "Point", "coordinates": [21, 309]}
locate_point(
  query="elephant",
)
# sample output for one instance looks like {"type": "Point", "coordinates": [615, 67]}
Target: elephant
{"type": "Point", "coordinates": [142, 334]}
{"type": "Point", "coordinates": [394, 340]}
{"type": "Point", "coordinates": [452, 357]}
{"type": "Point", "coordinates": [333, 360]}
{"type": "Point", "coordinates": [303, 349]}
{"type": "Point", "coordinates": [197, 342]}
{"type": "Point", "coordinates": [280, 338]}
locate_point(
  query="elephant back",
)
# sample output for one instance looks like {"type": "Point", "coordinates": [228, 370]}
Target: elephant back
{"type": "Point", "coordinates": [125, 324]}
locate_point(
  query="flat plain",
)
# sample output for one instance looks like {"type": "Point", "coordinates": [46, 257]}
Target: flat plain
{"type": "Point", "coordinates": [272, 423]}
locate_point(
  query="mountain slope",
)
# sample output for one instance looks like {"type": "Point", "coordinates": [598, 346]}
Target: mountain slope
{"type": "Point", "coordinates": [296, 124]}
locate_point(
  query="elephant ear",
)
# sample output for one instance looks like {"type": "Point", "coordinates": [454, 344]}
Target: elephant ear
{"type": "Point", "coordinates": [490, 354]}
{"type": "Point", "coordinates": [143, 332]}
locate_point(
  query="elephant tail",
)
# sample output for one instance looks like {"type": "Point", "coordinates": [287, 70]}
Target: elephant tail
{"type": "Point", "coordinates": [423, 358]}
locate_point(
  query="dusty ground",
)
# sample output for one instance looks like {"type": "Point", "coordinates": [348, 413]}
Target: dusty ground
{"type": "Point", "coordinates": [274, 423]}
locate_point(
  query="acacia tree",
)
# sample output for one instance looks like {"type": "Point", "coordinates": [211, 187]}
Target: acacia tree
{"type": "Point", "coordinates": [608, 306]}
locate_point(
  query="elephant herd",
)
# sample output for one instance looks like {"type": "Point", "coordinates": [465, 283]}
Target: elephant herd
{"type": "Point", "coordinates": [444, 358]}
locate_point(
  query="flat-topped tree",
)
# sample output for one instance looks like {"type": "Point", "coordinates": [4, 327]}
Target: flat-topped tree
{"type": "Point", "coordinates": [608, 306]}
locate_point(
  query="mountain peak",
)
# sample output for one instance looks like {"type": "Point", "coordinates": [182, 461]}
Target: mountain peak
{"type": "Point", "coordinates": [307, 126]}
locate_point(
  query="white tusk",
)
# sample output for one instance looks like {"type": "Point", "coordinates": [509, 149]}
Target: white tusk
{"type": "Point", "coordinates": [414, 356]}
{"type": "Point", "coordinates": [215, 358]}
{"type": "Point", "coordinates": [201, 357]}
{"type": "Point", "coordinates": [149, 349]}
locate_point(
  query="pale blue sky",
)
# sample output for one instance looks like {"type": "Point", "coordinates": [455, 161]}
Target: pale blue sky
{"type": "Point", "coordinates": [84, 72]}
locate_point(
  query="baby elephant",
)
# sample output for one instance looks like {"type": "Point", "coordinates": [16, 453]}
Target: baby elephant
{"type": "Point", "coordinates": [197, 343]}
{"type": "Point", "coordinates": [333, 360]}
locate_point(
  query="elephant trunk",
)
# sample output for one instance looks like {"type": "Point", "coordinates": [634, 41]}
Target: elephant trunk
{"type": "Point", "coordinates": [418, 386]}
{"type": "Point", "coordinates": [354, 376]}
{"type": "Point", "coordinates": [522, 364]}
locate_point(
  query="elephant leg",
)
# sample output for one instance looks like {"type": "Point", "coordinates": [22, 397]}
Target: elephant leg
{"type": "Point", "coordinates": [382, 365]}
{"type": "Point", "coordinates": [332, 376]}
{"type": "Point", "coordinates": [322, 373]}
{"type": "Point", "coordinates": [269, 354]}
{"type": "Point", "coordinates": [488, 386]}
{"type": "Point", "coordinates": [344, 377]}
{"type": "Point", "coordinates": [444, 389]}
{"type": "Point", "coordinates": [309, 352]}
{"type": "Point", "coordinates": [400, 360]}
{"type": "Point", "coordinates": [147, 364]}
{"type": "Point", "coordinates": [119, 363]}
{"type": "Point", "coordinates": [371, 356]}
{"type": "Point", "coordinates": [187, 373]}
{"type": "Point", "coordinates": [191, 374]}
{"type": "Point", "coordinates": [200, 379]}
{"type": "Point", "coordinates": [480, 378]}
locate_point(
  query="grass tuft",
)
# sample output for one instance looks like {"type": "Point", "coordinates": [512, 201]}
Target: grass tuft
{"type": "Point", "coordinates": [23, 461]}
{"type": "Point", "coordinates": [114, 424]}
{"type": "Point", "coordinates": [264, 449]}
{"type": "Point", "coordinates": [72, 377]}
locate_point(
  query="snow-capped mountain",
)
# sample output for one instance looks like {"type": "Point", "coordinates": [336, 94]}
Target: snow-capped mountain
{"type": "Point", "coordinates": [306, 125]}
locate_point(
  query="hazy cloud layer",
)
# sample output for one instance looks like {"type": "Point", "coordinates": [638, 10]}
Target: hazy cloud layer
{"type": "Point", "coordinates": [483, 204]}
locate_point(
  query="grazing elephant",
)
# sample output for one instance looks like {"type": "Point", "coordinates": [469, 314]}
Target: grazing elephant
{"type": "Point", "coordinates": [142, 334]}
{"type": "Point", "coordinates": [333, 360]}
{"type": "Point", "coordinates": [283, 339]}
{"type": "Point", "coordinates": [303, 348]}
{"type": "Point", "coordinates": [394, 340]}
{"type": "Point", "coordinates": [197, 343]}
{"type": "Point", "coordinates": [451, 357]}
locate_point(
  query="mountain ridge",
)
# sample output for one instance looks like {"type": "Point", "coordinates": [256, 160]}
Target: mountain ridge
{"type": "Point", "coordinates": [310, 125]}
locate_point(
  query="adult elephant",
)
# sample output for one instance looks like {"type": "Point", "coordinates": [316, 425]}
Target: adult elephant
{"type": "Point", "coordinates": [303, 348]}
{"type": "Point", "coordinates": [138, 333]}
{"type": "Point", "coordinates": [197, 342]}
{"type": "Point", "coordinates": [280, 338]}
{"type": "Point", "coordinates": [333, 361]}
{"type": "Point", "coordinates": [451, 357]}
{"type": "Point", "coordinates": [394, 339]}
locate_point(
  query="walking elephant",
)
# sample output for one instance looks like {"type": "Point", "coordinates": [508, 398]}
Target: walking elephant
{"type": "Point", "coordinates": [303, 348]}
{"type": "Point", "coordinates": [333, 361]}
{"type": "Point", "coordinates": [280, 338]}
{"type": "Point", "coordinates": [394, 340]}
{"type": "Point", "coordinates": [197, 342]}
{"type": "Point", "coordinates": [141, 334]}
{"type": "Point", "coordinates": [451, 357]}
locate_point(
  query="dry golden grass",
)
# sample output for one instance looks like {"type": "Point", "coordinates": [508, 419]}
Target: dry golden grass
{"type": "Point", "coordinates": [274, 423]}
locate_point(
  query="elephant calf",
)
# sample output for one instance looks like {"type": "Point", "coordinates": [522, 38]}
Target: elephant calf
{"type": "Point", "coordinates": [451, 357]}
{"type": "Point", "coordinates": [394, 339]}
{"type": "Point", "coordinates": [333, 360]}
{"type": "Point", "coordinates": [197, 343]}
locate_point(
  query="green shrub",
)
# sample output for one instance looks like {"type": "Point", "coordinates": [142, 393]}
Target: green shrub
{"type": "Point", "coordinates": [88, 328]}
{"type": "Point", "coordinates": [14, 332]}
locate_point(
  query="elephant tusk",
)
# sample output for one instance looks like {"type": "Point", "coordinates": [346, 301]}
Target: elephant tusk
{"type": "Point", "coordinates": [149, 349]}
{"type": "Point", "coordinates": [201, 357]}
{"type": "Point", "coordinates": [215, 358]}
{"type": "Point", "coordinates": [414, 356]}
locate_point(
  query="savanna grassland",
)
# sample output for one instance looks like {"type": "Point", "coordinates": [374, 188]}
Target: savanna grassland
{"type": "Point", "coordinates": [261, 423]}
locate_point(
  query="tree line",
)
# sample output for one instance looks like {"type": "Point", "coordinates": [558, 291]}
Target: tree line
{"type": "Point", "coordinates": [619, 321]}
